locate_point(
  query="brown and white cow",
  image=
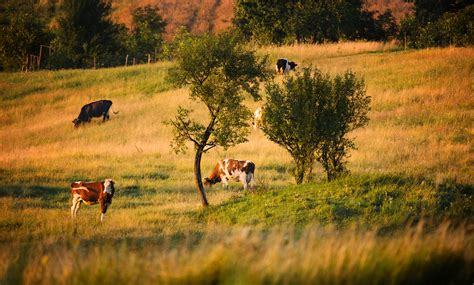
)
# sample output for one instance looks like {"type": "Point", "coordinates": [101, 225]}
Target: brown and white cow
{"type": "Point", "coordinates": [92, 193]}
{"type": "Point", "coordinates": [227, 169]}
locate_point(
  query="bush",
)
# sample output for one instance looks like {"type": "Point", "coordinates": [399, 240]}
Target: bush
{"type": "Point", "coordinates": [310, 117]}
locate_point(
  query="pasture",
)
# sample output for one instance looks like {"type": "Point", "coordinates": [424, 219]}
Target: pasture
{"type": "Point", "coordinates": [414, 163]}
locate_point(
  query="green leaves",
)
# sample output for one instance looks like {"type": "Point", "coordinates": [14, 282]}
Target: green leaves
{"type": "Point", "coordinates": [218, 70]}
{"type": "Point", "coordinates": [311, 115]}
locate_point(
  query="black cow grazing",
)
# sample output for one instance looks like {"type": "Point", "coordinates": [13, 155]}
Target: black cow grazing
{"type": "Point", "coordinates": [94, 109]}
{"type": "Point", "coordinates": [284, 65]}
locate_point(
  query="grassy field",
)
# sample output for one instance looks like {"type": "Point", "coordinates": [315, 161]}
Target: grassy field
{"type": "Point", "coordinates": [414, 163]}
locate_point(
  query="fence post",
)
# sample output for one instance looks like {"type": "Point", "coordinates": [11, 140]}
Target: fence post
{"type": "Point", "coordinates": [39, 58]}
{"type": "Point", "coordinates": [126, 60]}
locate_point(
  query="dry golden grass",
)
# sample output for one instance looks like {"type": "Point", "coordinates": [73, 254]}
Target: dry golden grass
{"type": "Point", "coordinates": [246, 256]}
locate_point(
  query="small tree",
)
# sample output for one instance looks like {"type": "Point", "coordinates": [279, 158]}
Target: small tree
{"type": "Point", "coordinates": [218, 69]}
{"type": "Point", "coordinates": [310, 116]}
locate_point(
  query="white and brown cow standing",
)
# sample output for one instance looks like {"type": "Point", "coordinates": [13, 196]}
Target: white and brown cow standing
{"type": "Point", "coordinates": [227, 169]}
{"type": "Point", "coordinates": [92, 193]}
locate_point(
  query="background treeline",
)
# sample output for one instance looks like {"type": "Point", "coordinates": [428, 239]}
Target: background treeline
{"type": "Point", "coordinates": [85, 33]}
{"type": "Point", "coordinates": [433, 23]}
{"type": "Point", "coordinates": [75, 34]}
{"type": "Point", "coordinates": [439, 23]}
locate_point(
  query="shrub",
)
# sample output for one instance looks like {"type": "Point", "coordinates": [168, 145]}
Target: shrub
{"type": "Point", "coordinates": [311, 115]}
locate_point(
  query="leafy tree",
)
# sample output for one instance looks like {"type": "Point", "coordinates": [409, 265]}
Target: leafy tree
{"type": "Point", "coordinates": [451, 28]}
{"type": "Point", "coordinates": [310, 116]}
{"type": "Point", "coordinates": [86, 34]}
{"type": "Point", "coordinates": [303, 20]}
{"type": "Point", "coordinates": [147, 31]}
{"type": "Point", "coordinates": [218, 70]}
{"type": "Point", "coordinates": [22, 33]}
{"type": "Point", "coordinates": [431, 10]}
{"type": "Point", "coordinates": [264, 20]}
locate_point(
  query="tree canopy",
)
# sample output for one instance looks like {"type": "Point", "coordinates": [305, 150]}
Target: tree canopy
{"type": "Point", "coordinates": [311, 115]}
{"type": "Point", "coordinates": [86, 34]}
{"type": "Point", "coordinates": [147, 32]}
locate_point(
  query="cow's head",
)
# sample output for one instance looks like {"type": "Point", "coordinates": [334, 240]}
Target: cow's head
{"type": "Point", "coordinates": [292, 64]}
{"type": "Point", "coordinates": [208, 182]}
{"type": "Point", "coordinates": [109, 191]}
{"type": "Point", "coordinates": [77, 122]}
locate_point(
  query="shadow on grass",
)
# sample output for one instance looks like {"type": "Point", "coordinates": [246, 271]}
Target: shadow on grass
{"type": "Point", "coordinates": [33, 191]}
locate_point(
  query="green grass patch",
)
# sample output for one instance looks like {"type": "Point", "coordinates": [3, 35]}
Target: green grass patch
{"type": "Point", "coordinates": [387, 201]}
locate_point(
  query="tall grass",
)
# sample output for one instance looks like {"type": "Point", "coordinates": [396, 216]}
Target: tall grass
{"type": "Point", "coordinates": [312, 255]}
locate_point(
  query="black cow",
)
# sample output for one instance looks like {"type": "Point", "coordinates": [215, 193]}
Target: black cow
{"type": "Point", "coordinates": [284, 65]}
{"type": "Point", "coordinates": [94, 109]}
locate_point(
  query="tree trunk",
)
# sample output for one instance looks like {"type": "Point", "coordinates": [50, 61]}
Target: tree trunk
{"type": "Point", "coordinates": [197, 176]}
{"type": "Point", "coordinates": [299, 171]}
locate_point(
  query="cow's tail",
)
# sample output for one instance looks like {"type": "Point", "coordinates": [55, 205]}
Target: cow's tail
{"type": "Point", "coordinates": [112, 107]}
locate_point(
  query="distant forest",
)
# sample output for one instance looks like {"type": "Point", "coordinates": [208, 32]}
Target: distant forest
{"type": "Point", "coordinates": [52, 34]}
{"type": "Point", "coordinates": [216, 15]}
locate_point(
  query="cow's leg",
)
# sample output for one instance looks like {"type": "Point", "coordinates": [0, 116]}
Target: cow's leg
{"type": "Point", "coordinates": [243, 179]}
{"type": "Point", "coordinates": [106, 116]}
{"type": "Point", "coordinates": [225, 183]}
{"type": "Point", "coordinates": [250, 180]}
{"type": "Point", "coordinates": [73, 208]}
{"type": "Point", "coordinates": [76, 204]}
{"type": "Point", "coordinates": [103, 209]}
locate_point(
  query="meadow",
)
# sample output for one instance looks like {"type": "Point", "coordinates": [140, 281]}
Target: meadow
{"type": "Point", "coordinates": [404, 215]}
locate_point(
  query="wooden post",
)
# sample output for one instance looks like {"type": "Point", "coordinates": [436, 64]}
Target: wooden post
{"type": "Point", "coordinates": [126, 60]}
{"type": "Point", "coordinates": [94, 61]}
{"type": "Point", "coordinates": [149, 58]}
{"type": "Point", "coordinates": [26, 64]}
{"type": "Point", "coordinates": [39, 58]}
{"type": "Point", "coordinates": [133, 61]}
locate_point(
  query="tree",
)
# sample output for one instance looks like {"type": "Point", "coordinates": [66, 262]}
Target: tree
{"type": "Point", "coordinates": [22, 34]}
{"type": "Point", "coordinates": [263, 20]}
{"type": "Point", "coordinates": [441, 24]}
{"type": "Point", "coordinates": [147, 31]}
{"type": "Point", "coordinates": [431, 10]}
{"type": "Point", "coordinates": [302, 20]}
{"type": "Point", "coordinates": [86, 35]}
{"type": "Point", "coordinates": [219, 70]}
{"type": "Point", "coordinates": [310, 116]}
